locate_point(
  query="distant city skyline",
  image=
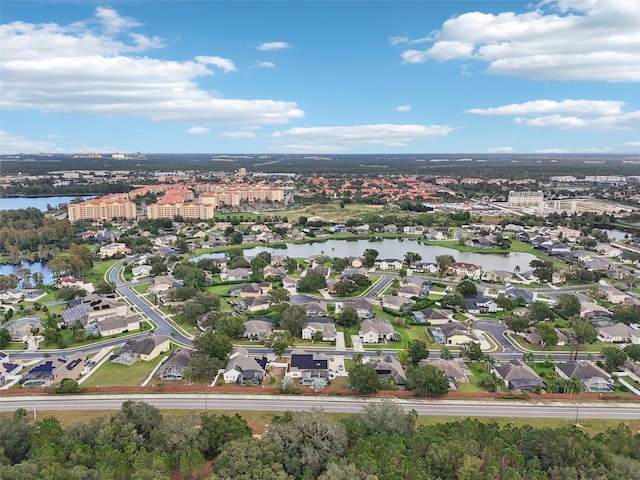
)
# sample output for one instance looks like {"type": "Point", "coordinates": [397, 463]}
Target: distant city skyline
{"type": "Point", "coordinates": [325, 77]}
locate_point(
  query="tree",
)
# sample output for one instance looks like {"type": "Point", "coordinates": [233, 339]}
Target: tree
{"type": "Point", "coordinates": [307, 441]}
{"type": "Point", "coordinates": [417, 350]}
{"type": "Point", "coordinates": [290, 265]}
{"type": "Point", "coordinates": [614, 357]}
{"type": "Point", "coordinates": [279, 296]}
{"type": "Point", "coordinates": [412, 257]}
{"type": "Point", "coordinates": [293, 319]}
{"type": "Point", "coordinates": [104, 288]}
{"type": "Point", "coordinates": [472, 351]}
{"type": "Point", "coordinates": [69, 385]}
{"type": "Point", "coordinates": [69, 293]}
{"type": "Point", "coordinates": [529, 358]}
{"type": "Point", "coordinates": [279, 341]}
{"type": "Point", "coordinates": [568, 305]}
{"type": "Point", "coordinates": [454, 300]}
{"type": "Point", "coordinates": [348, 317]}
{"type": "Point", "coordinates": [467, 288]}
{"type": "Point", "coordinates": [213, 344]}
{"type": "Point", "coordinates": [250, 459]}
{"type": "Point", "coordinates": [427, 380]}
{"type": "Point", "coordinates": [5, 338]}
{"type": "Point", "coordinates": [517, 323]}
{"type": "Point", "coordinates": [38, 279]}
{"type": "Point", "coordinates": [369, 257]}
{"type": "Point", "coordinates": [345, 471]}
{"type": "Point", "coordinates": [142, 415]}
{"type": "Point", "coordinates": [385, 417]}
{"type": "Point", "coordinates": [548, 333]}
{"type": "Point", "coordinates": [358, 357]}
{"type": "Point", "coordinates": [446, 354]}
{"type": "Point", "coordinates": [231, 326]}
{"type": "Point", "coordinates": [364, 379]}
{"type": "Point", "coordinates": [312, 282]}
{"type": "Point", "coordinates": [540, 312]}
{"type": "Point", "coordinates": [583, 331]}
{"type": "Point", "coordinates": [443, 262]}
{"type": "Point", "coordinates": [633, 352]}
{"type": "Point", "coordinates": [542, 270]}
{"type": "Point", "coordinates": [217, 430]}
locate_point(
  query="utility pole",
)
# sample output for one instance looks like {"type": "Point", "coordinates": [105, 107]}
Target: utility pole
{"type": "Point", "coordinates": [33, 400]}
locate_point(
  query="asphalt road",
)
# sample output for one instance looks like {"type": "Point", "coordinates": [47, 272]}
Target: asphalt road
{"type": "Point", "coordinates": [328, 404]}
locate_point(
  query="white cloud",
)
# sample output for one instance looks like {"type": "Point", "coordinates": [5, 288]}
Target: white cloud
{"type": "Point", "coordinates": [552, 150]}
{"type": "Point", "coordinates": [223, 64]}
{"type": "Point", "coordinates": [347, 137]}
{"type": "Point", "coordinates": [75, 69]}
{"type": "Point", "coordinates": [12, 143]}
{"type": "Point", "coordinates": [238, 134]}
{"type": "Point", "coordinates": [113, 22]}
{"type": "Point", "coordinates": [198, 130]}
{"type": "Point", "coordinates": [260, 64]}
{"type": "Point", "coordinates": [593, 40]}
{"type": "Point", "coordinates": [588, 107]}
{"type": "Point", "coordinates": [568, 114]}
{"type": "Point", "coordinates": [403, 108]}
{"type": "Point", "coordinates": [273, 46]}
{"type": "Point", "coordinates": [402, 39]}
{"type": "Point", "coordinates": [500, 150]}
{"type": "Point", "coordinates": [631, 144]}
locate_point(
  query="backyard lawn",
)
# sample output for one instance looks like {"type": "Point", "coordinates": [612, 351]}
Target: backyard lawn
{"type": "Point", "coordinates": [116, 374]}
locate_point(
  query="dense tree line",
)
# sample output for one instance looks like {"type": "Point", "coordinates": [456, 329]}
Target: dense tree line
{"type": "Point", "coordinates": [381, 442]}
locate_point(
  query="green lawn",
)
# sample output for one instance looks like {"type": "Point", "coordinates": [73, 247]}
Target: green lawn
{"type": "Point", "coordinates": [100, 267]}
{"type": "Point", "coordinates": [67, 336]}
{"type": "Point", "coordinates": [522, 343]}
{"type": "Point", "coordinates": [142, 289]}
{"type": "Point", "coordinates": [115, 374]}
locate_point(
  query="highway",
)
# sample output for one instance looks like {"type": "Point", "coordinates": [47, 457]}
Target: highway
{"type": "Point", "coordinates": [328, 404]}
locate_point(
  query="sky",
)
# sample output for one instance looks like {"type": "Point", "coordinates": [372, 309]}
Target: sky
{"type": "Point", "coordinates": [324, 77]}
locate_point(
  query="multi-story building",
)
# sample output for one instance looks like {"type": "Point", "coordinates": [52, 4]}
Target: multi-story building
{"type": "Point", "coordinates": [181, 209]}
{"type": "Point", "coordinates": [526, 199]}
{"type": "Point", "coordinates": [104, 208]}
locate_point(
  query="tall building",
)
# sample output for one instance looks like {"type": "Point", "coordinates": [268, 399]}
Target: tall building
{"type": "Point", "coordinates": [528, 199]}
{"type": "Point", "coordinates": [109, 207]}
{"type": "Point", "coordinates": [181, 209]}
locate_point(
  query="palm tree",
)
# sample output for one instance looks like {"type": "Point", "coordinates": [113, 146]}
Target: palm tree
{"type": "Point", "coordinates": [357, 357]}
{"type": "Point", "coordinates": [529, 358]}
{"type": "Point", "coordinates": [446, 354]}
{"type": "Point", "coordinates": [489, 362]}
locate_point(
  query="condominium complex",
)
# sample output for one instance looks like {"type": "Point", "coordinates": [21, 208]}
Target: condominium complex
{"type": "Point", "coordinates": [181, 209]}
{"type": "Point", "coordinates": [526, 199]}
{"type": "Point", "coordinates": [109, 207]}
{"type": "Point", "coordinates": [176, 200]}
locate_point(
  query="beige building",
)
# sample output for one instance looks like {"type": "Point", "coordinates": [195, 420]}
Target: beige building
{"type": "Point", "coordinates": [103, 208]}
{"type": "Point", "coordinates": [184, 210]}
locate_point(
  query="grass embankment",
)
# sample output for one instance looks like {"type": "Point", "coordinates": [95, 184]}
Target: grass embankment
{"type": "Point", "coordinates": [258, 421]}
{"type": "Point", "coordinates": [111, 373]}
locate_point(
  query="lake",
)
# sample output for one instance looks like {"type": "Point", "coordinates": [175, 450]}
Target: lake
{"type": "Point", "coordinates": [33, 266]}
{"type": "Point", "coordinates": [17, 203]}
{"type": "Point", "coordinates": [394, 248]}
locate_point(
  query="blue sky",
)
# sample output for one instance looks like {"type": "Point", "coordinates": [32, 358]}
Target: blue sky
{"type": "Point", "coordinates": [557, 76]}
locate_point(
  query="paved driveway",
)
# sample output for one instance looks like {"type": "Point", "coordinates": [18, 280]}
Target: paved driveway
{"type": "Point", "coordinates": [340, 344]}
{"type": "Point", "coordinates": [357, 343]}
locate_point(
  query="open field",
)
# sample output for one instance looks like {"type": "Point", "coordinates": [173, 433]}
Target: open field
{"type": "Point", "coordinates": [126, 375]}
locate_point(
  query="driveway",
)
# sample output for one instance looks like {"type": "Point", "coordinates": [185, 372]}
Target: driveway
{"type": "Point", "coordinates": [340, 344]}
{"type": "Point", "coordinates": [336, 365]}
{"type": "Point", "coordinates": [357, 343]}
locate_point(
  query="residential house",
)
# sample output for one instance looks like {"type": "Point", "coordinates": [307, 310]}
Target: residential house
{"type": "Point", "coordinates": [316, 309]}
{"type": "Point", "coordinates": [141, 271]}
{"type": "Point", "coordinates": [53, 370]}
{"type": "Point", "coordinates": [409, 291]}
{"type": "Point", "coordinates": [619, 333]}
{"type": "Point", "coordinates": [413, 229]}
{"type": "Point", "coordinates": [108, 251]}
{"type": "Point", "coordinates": [273, 272]}
{"type": "Point", "coordinates": [355, 262]}
{"type": "Point", "coordinates": [463, 269]}
{"type": "Point", "coordinates": [309, 365]}
{"type": "Point", "coordinates": [258, 329]}
{"type": "Point", "coordinates": [515, 293]}
{"type": "Point", "coordinates": [519, 376]}
{"type": "Point", "coordinates": [362, 229]}
{"type": "Point", "coordinates": [13, 295]}
{"type": "Point", "coordinates": [350, 272]}
{"type": "Point", "coordinates": [458, 333]}
{"type": "Point", "coordinates": [142, 349]}
{"type": "Point", "coordinates": [289, 282]}
{"type": "Point", "coordinates": [22, 328]}
{"type": "Point", "coordinates": [323, 325]}
{"type": "Point", "coordinates": [7, 368]}
{"type": "Point", "coordinates": [389, 368]}
{"type": "Point", "coordinates": [391, 228]}
{"type": "Point", "coordinates": [613, 295]}
{"type": "Point", "coordinates": [175, 364]}
{"type": "Point", "coordinates": [608, 250]}
{"type": "Point", "coordinates": [235, 275]}
{"type": "Point", "coordinates": [456, 371]}
{"type": "Point", "coordinates": [72, 282]}
{"type": "Point", "coordinates": [116, 325]}
{"type": "Point", "coordinates": [321, 269]}
{"type": "Point", "coordinates": [432, 316]}
{"type": "Point", "coordinates": [250, 289]}
{"type": "Point", "coordinates": [500, 276]}
{"type": "Point", "coordinates": [394, 302]}
{"type": "Point", "coordinates": [593, 378]}
{"type": "Point", "coordinates": [362, 306]}
{"type": "Point", "coordinates": [162, 284]}
{"type": "Point", "coordinates": [437, 335]}
{"type": "Point", "coordinates": [243, 369]}
{"type": "Point", "coordinates": [373, 330]}
{"type": "Point", "coordinates": [425, 267]}
{"type": "Point", "coordinates": [388, 264]}
{"type": "Point", "coordinates": [436, 235]}
{"type": "Point", "coordinates": [480, 305]}
{"type": "Point", "coordinates": [93, 309]}
{"type": "Point", "coordinates": [593, 310]}
{"type": "Point", "coordinates": [254, 304]}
